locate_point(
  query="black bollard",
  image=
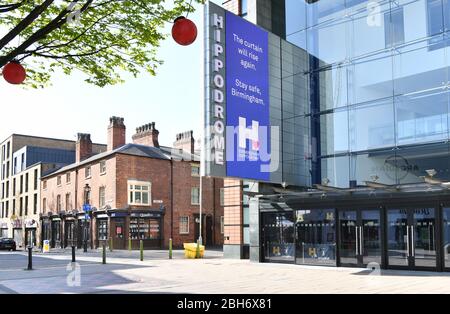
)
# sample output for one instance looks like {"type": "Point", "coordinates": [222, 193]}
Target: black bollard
{"type": "Point", "coordinates": [104, 254]}
{"type": "Point", "coordinates": [73, 254]}
{"type": "Point", "coordinates": [30, 258]}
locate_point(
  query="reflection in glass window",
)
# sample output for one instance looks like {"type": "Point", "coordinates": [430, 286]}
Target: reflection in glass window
{"type": "Point", "coordinates": [394, 27]}
{"type": "Point", "coordinates": [324, 10]}
{"type": "Point", "coordinates": [446, 244]}
{"type": "Point", "coordinates": [370, 79]}
{"type": "Point", "coordinates": [278, 236]}
{"type": "Point", "coordinates": [316, 242]}
{"type": "Point", "coordinates": [335, 170]}
{"type": "Point", "coordinates": [371, 126]}
{"type": "Point", "coordinates": [334, 128]}
{"type": "Point", "coordinates": [295, 16]}
{"type": "Point", "coordinates": [418, 122]}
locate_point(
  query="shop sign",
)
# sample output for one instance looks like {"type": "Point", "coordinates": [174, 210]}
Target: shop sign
{"type": "Point", "coordinates": [102, 216]}
{"type": "Point", "coordinates": [119, 214]}
{"type": "Point", "coordinates": [157, 201]}
{"type": "Point", "coordinates": [30, 223]}
{"type": "Point", "coordinates": [17, 223]}
{"type": "Point", "coordinates": [145, 215]}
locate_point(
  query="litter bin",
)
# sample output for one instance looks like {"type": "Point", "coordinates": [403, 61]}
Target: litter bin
{"type": "Point", "coordinates": [190, 250]}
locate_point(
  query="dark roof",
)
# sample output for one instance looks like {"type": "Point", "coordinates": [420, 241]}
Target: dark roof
{"type": "Point", "coordinates": [163, 152]}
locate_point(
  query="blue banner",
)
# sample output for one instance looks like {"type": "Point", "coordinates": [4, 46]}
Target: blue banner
{"type": "Point", "coordinates": [247, 99]}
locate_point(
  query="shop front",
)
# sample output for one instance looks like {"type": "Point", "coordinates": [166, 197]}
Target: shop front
{"type": "Point", "coordinates": [145, 226]}
{"type": "Point", "coordinates": [405, 231]}
{"type": "Point", "coordinates": [130, 227]}
{"type": "Point", "coordinates": [55, 241]}
{"type": "Point", "coordinates": [46, 229]}
{"type": "Point", "coordinates": [83, 231]}
{"type": "Point", "coordinates": [119, 230]}
{"type": "Point", "coordinates": [102, 234]}
{"type": "Point", "coordinates": [70, 234]}
{"type": "Point", "coordinates": [17, 227]}
{"type": "Point", "coordinates": [3, 230]}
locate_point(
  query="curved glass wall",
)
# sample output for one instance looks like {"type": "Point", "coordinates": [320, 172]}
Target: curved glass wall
{"type": "Point", "coordinates": [379, 86]}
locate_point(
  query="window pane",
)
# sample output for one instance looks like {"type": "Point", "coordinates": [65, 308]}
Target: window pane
{"type": "Point", "coordinates": [435, 17]}
{"type": "Point", "coordinates": [421, 118]}
{"type": "Point", "coordinates": [295, 16]}
{"type": "Point", "coordinates": [411, 76]}
{"type": "Point", "coordinates": [324, 10]}
{"type": "Point", "coordinates": [137, 187]}
{"type": "Point", "coordinates": [145, 198]}
{"type": "Point", "coordinates": [335, 170]}
{"type": "Point", "coordinates": [145, 188]}
{"type": "Point", "coordinates": [394, 27]}
{"type": "Point", "coordinates": [371, 126]}
{"type": "Point", "coordinates": [370, 79]}
{"type": "Point", "coordinates": [137, 197]}
{"type": "Point", "coordinates": [334, 132]}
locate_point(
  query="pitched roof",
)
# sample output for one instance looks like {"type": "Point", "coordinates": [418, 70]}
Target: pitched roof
{"type": "Point", "coordinates": [163, 152]}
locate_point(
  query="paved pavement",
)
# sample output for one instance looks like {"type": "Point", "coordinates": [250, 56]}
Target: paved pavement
{"type": "Point", "coordinates": [125, 273]}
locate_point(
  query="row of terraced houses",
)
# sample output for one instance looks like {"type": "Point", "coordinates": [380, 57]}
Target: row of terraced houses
{"type": "Point", "coordinates": [79, 192]}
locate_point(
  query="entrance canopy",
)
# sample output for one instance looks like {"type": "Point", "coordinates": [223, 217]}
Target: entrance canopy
{"type": "Point", "coordinates": [371, 192]}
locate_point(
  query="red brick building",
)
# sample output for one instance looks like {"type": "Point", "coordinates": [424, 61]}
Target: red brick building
{"type": "Point", "coordinates": [137, 191]}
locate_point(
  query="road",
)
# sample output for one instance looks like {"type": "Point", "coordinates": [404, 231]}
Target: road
{"type": "Point", "coordinates": [125, 273]}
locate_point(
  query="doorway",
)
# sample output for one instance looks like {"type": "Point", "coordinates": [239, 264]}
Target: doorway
{"type": "Point", "coordinates": [411, 238]}
{"type": "Point", "coordinates": [360, 241]}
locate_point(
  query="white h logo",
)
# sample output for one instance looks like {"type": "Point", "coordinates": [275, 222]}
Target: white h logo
{"type": "Point", "coordinates": [246, 133]}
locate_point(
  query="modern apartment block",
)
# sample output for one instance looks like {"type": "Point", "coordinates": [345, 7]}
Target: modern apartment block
{"type": "Point", "coordinates": [139, 191]}
{"type": "Point", "coordinates": [363, 94]}
{"type": "Point", "coordinates": [23, 160]}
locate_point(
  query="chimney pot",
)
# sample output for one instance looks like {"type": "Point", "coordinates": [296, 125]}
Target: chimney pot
{"type": "Point", "coordinates": [116, 133]}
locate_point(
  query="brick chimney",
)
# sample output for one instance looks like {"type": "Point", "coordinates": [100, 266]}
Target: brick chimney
{"type": "Point", "coordinates": [185, 141]}
{"type": "Point", "coordinates": [146, 135]}
{"type": "Point", "coordinates": [83, 148]}
{"type": "Point", "coordinates": [116, 133]}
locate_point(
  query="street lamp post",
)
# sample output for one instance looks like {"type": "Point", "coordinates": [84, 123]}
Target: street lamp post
{"type": "Point", "coordinates": [86, 208]}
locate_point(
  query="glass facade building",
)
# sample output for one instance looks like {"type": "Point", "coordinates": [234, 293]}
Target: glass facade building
{"type": "Point", "coordinates": [379, 87]}
{"type": "Point", "coordinates": [364, 94]}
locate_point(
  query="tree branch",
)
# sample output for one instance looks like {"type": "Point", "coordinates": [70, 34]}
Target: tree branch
{"type": "Point", "coordinates": [57, 22]}
{"type": "Point", "coordinates": [11, 7]}
{"type": "Point", "coordinates": [33, 15]}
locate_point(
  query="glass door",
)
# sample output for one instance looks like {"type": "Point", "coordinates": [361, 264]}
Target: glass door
{"type": "Point", "coordinates": [278, 237]}
{"type": "Point", "coordinates": [397, 237]}
{"type": "Point", "coordinates": [370, 227]}
{"type": "Point", "coordinates": [349, 238]}
{"type": "Point", "coordinates": [446, 238]}
{"type": "Point", "coordinates": [424, 240]}
{"type": "Point", "coordinates": [412, 238]}
{"type": "Point", "coordinates": [360, 237]}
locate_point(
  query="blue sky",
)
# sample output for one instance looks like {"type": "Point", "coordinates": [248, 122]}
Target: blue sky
{"type": "Point", "coordinates": [173, 99]}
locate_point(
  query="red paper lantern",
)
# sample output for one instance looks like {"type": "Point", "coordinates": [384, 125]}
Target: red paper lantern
{"type": "Point", "coordinates": [14, 73]}
{"type": "Point", "coordinates": [184, 31]}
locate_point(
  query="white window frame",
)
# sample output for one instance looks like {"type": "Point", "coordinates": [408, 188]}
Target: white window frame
{"type": "Point", "coordinates": [87, 174]}
{"type": "Point", "coordinates": [195, 166]}
{"type": "Point", "coordinates": [133, 190]}
{"type": "Point", "coordinates": [102, 165]}
{"type": "Point", "coordinates": [198, 189]}
{"type": "Point", "coordinates": [180, 224]}
{"type": "Point", "coordinates": [222, 196]}
{"type": "Point", "coordinates": [100, 196]}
